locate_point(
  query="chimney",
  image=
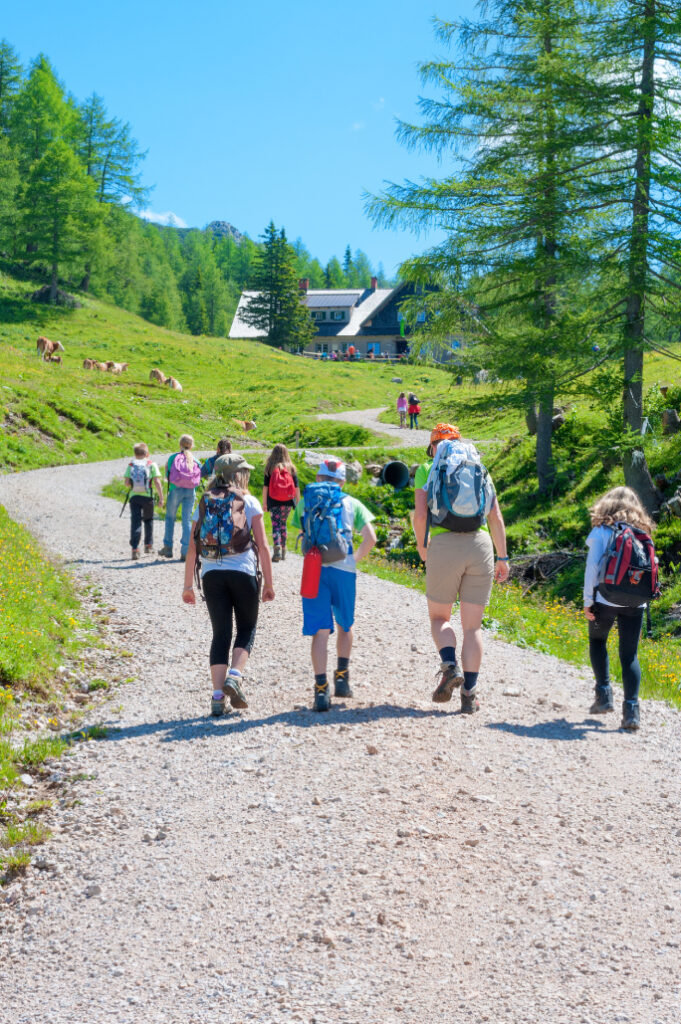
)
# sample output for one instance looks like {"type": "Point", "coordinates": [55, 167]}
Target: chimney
{"type": "Point", "coordinates": [374, 283]}
{"type": "Point", "coordinates": [304, 284]}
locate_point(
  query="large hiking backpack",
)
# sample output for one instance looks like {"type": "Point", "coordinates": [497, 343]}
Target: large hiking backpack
{"type": "Point", "coordinates": [282, 486]}
{"type": "Point", "coordinates": [627, 574]}
{"type": "Point", "coordinates": [222, 527]}
{"type": "Point", "coordinates": [182, 474]}
{"type": "Point", "coordinates": [459, 491]}
{"type": "Point", "coordinates": [323, 522]}
{"type": "Point", "coordinates": [140, 476]}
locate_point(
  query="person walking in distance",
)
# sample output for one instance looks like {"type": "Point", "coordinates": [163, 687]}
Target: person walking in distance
{"type": "Point", "coordinates": [413, 408]}
{"type": "Point", "coordinates": [458, 551]}
{"type": "Point", "coordinates": [140, 476]}
{"type": "Point", "coordinates": [280, 493]}
{"type": "Point", "coordinates": [183, 473]}
{"type": "Point", "coordinates": [402, 408]}
{"type": "Point", "coordinates": [228, 543]}
{"type": "Point", "coordinates": [616, 517]}
{"type": "Point", "coordinates": [326, 510]}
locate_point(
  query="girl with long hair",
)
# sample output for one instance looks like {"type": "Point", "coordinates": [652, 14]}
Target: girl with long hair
{"type": "Point", "coordinates": [280, 493]}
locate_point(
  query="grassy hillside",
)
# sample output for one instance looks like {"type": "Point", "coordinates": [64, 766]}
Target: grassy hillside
{"type": "Point", "coordinates": [54, 414]}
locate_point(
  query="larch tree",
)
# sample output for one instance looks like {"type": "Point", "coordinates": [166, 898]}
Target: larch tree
{"type": "Point", "coordinates": [10, 82]}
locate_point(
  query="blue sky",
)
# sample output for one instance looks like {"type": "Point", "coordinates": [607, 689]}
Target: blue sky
{"type": "Point", "coordinates": [252, 112]}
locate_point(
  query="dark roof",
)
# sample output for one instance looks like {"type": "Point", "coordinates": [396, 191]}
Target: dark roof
{"type": "Point", "coordinates": [324, 300]}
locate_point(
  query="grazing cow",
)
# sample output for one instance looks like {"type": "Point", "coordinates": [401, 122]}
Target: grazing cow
{"type": "Point", "coordinates": [45, 347]}
{"type": "Point", "coordinates": [100, 366]}
{"type": "Point", "coordinates": [170, 382]}
{"type": "Point", "coordinates": [88, 364]}
{"type": "Point", "coordinates": [116, 367]}
{"type": "Point", "coordinates": [55, 358]}
{"type": "Point", "coordinates": [158, 375]}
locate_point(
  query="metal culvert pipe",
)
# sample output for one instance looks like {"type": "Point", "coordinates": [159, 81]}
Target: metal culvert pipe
{"type": "Point", "coordinates": [396, 474]}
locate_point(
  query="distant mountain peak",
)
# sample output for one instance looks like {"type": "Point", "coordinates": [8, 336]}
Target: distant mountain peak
{"type": "Point", "coordinates": [222, 228]}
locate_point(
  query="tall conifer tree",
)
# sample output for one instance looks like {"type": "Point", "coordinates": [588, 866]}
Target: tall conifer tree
{"type": "Point", "coordinates": [277, 308]}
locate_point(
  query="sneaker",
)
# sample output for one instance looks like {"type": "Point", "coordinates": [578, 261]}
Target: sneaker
{"type": "Point", "coordinates": [135, 554]}
{"type": "Point", "coordinates": [452, 677]}
{"type": "Point", "coordinates": [276, 554]}
{"type": "Point", "coordinates": [165, 551]}
{"type": "Point", "coordinates": [217, 707]}
{"type": "Point", "coordinates": [283, 552]}
{"type": "Point", "coordinates": [341, 683]}
{"type": "Point", "coordinates": [469, 701]}
{"type": "Point", "coordinates": [322, 698]}
{"type": "Point", "coordinates": [148, 549]}
{"type": "Point", "coordinates": [631, 717]}
{"type": "Point", "coordinates": [233, 690]}
{"type": "Point", "coordinates": [603, 702]}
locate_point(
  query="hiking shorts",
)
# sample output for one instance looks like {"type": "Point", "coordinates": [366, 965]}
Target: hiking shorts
{"type": "Point", "coordinates": [335, 600]}
{"type": "Point", "coordinates": [460, 565]}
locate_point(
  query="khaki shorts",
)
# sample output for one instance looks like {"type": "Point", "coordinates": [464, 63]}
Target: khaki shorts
{"type": "Point", "coordinates": [460, 565]}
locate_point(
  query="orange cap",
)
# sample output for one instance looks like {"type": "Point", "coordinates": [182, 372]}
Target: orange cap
{"type": "Point", "coordinates": [444, 432]}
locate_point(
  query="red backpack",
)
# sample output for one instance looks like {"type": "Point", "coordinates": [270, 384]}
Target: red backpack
{"type": "Point", "coordinates": [282, 486]}
{"type": "Point", "coordinates": [628, 572]}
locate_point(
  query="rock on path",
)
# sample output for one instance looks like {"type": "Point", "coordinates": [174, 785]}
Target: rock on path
{"type": "Point", "coordinates": [389, 861]}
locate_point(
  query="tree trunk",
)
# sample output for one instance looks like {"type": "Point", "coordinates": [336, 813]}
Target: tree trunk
{"type": "Point", "coordinates": [54, 283]}
{"type": "Point", "coordinates": [544, 456]}
{"type": "Point", "coordinates": [637, 476]}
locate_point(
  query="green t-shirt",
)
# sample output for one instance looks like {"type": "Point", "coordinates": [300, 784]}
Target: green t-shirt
{"type": "Point", "coordinates": [355, 517]}
{"type": "Point", "coordinates": [154, 473]}
{"type": "Point", "coordinates": [420, 481]}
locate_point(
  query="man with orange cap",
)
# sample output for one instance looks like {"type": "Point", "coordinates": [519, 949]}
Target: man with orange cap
{"type": "Point", "coordinates": [460, 564]}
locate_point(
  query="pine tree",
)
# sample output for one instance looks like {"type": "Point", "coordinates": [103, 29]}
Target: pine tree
{"type": "Point", "coordinates": [60, 212]}
{"type": "Point", "coordinates": [10, 81]}
{"type": "Point", "coordinates": [40, 114]}
{"type": "Point", "coordinates": [110, 154]}
{"type": "Point", "coordinates": [277, 309]}
{"type": "Point", "coordinates": [9, 191]}
{"type": "Point", "coordinates": [515, 240]}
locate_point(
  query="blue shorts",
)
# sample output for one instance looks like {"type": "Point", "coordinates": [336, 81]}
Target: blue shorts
{"type": "Point", "coordinates": [335, 600]}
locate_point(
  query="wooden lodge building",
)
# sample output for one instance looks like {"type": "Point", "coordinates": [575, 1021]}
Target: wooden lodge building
{"type": "Point", "coordinates": [366, 318]}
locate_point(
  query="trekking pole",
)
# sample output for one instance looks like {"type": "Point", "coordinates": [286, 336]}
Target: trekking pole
{"type": "Point", "coordinates": [127, 497]}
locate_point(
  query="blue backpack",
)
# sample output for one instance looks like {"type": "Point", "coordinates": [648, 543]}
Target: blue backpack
{"type": "Point", "coordinates": [323, 522]}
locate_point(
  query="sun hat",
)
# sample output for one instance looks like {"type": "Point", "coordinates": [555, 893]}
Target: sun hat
{"type": "Point", "coordinates": [227, 465]}
{"type": "Point", "coordinates": [444, 432]}
{"type": "Point", "coordinates": [332, 469]}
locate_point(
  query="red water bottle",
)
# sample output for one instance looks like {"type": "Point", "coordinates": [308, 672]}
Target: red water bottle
{"type": "Point", "coordinates": [312, 571]}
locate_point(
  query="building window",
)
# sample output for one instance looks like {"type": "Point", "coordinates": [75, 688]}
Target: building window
{"type": "Point", "coordinates": [321, 347]}
{"type": "Point", "coordinates": [318, 314]}
{"type": "Point", "coordinates": [337, 314]}
{"type": "Point", "coordinates": [421, 317]}
{"type": "Point", "coordinates": [374, 348]}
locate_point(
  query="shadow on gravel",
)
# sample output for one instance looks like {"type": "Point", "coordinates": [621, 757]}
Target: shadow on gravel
{"type": "Point", "coordinates": [558, 729]}
{"type": "Point", "coordinates": [114, 563]}
{"type": "Point", "coordinates": [187, 729]}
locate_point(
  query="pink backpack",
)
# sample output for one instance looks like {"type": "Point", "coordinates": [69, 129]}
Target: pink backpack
{"type": "Point", "coordinates": [181, 474]}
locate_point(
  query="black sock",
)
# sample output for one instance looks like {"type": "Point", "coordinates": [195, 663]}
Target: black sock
{"type": "Point", "coordinates": [343, 663]}
{"type": "Point", "coordinates": [320, 680]}
{"type": "Point", "coordinates": [469, 680]}
{"type": "Point", "coordinates": [448, 654]}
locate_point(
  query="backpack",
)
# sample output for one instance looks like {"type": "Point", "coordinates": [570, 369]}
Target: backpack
{"type": "Point", "coordinates": [459, 490]}
{"type": "Point", "coordinates": [222, 527]}
{"type": "Point", "coordinates": [140, 476]}
{"type": "Point", "coordinates": [323, 522]}
{"type": "Point", "coordinates": [282, 486]}
{"type": "Point", "coordinates": [181, 474]}
{"type": "Point", "coordinates": [627, 575]}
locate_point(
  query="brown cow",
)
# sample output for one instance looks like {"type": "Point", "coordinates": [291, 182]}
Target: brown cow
{"type": "Point", "coordinates": [55, 358]}
{"type": "Point", "coordinates": [45, 347]}
{"type": "Point", "coordinates": [100, 366]}
{"type": "Point", "coordinates": [158, 375]}
{"type": "Point", "coordinates": [116, 367]}
{"type": "Point", "coordinates": [172, 383]}
{"type": "Point", "coordinates": [88, 364]}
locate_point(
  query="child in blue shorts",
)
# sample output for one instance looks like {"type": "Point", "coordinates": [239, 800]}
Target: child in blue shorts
{"type": "Point", "coordinates": [335, 601]}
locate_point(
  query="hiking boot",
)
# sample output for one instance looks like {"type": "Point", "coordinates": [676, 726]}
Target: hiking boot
{"type": "Point", "coordinates": [283, 552]}
{"type": "Point", "coordinates": [217, 707]}
{"type": "Point", "coordinates": [603, 701]}
{"type": "Point", "coordinates": [451, 677]}
{"type": "Point", "coordinates": [233, 690]}
{"type": "Point", "coordinates": [322, 698]}
{"type": "Point", "coordinates": [631, 717]}
{"type": "Point", "coordinates": [469, 701]}
{"type": "Point", "coordinates": [148, 549]}
{"type": "Point", "coordinates": [341, 683]}
{"type": "Point", "coordinates": [276, 554]}
{"type": "Point", "coordinates": [165, 551]}
{"type": "Point", "coordinates": [135, 554]}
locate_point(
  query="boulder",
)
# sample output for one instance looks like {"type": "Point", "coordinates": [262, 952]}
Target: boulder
{"type": "Point", "coordinates": [671, 424]}
{"type": "Point", "coordinates": [395, 380]}
{"type": "Point", "coordinates": [373, 469]}
{"type": "Point", "coordinates": [353, 471]}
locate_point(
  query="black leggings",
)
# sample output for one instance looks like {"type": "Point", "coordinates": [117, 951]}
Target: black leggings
{"type": "Point", "coordinates": [227, 591]}
{"type": "Point", "coordinates": [629, 622]}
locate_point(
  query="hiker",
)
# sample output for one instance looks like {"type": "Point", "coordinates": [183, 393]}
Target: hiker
{"type": "Point", "coordinates": [402, 408]}
{"type": "Point", "coordinates": [228, 542]}
{"type": "Point", "coordinates": [326, 514]}
{"type": "Point", "coordinates": [458, 552]}
{"type": "Point", "coordinates": [605, 599]}
{"type": "Point", "coordinates": [413, 408]}
{"type": "Point", "coordinates": [183, 473]}
{"type": "Point", "coordinates": [223, 447]}
{"type": "Point", "coordinates": [140, 476]}
{"type": "Point", "coordinates": [280, 493]}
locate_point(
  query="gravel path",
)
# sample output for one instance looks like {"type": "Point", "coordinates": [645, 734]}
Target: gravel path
{"type": "Point", "coordinates": [369, 418]}
{"type": "Point", "coordinates": [389, 861]}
